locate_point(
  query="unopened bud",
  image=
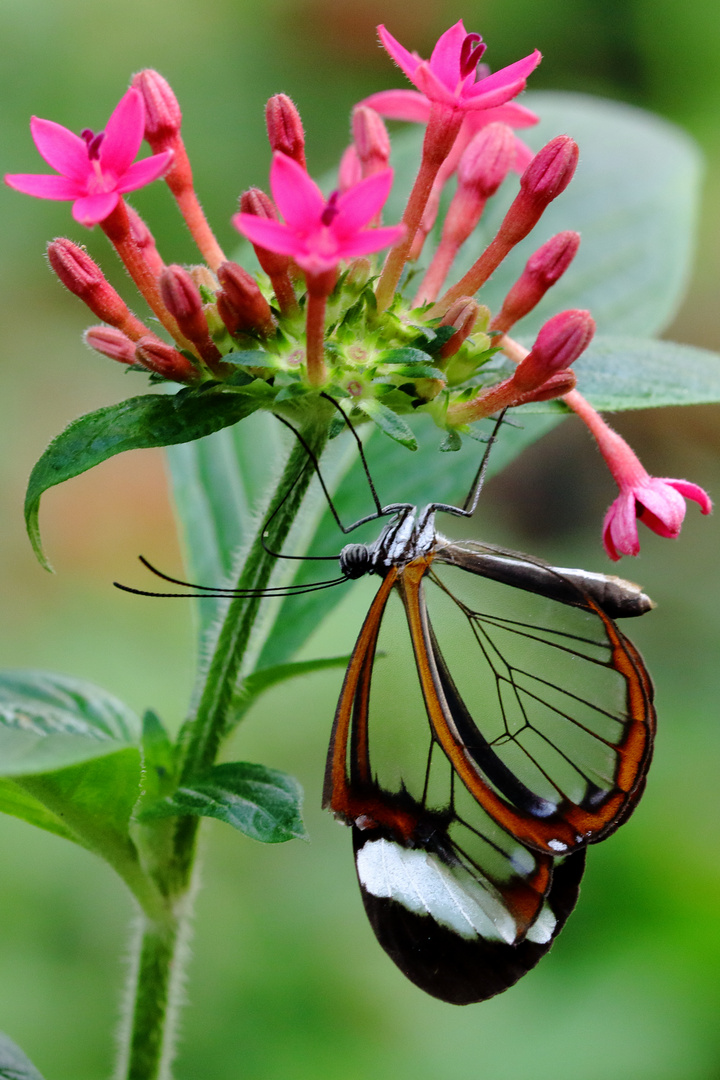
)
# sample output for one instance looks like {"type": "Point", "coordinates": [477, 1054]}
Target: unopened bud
{"type": "Point", "coordinates": [350, 171]}
{"type": "Point", "coordinates": [463, 315]}
{"type": "Point", "coordinates": [542, 270]}
{"type": "Point", "coordinates": [164, 359]}
{"type": "Point", "coordinates": [145, 241]}
{"type": "Point", "coordinates": [162, 112]}
{"type": "Point", "coordinates": [248, 305]}
{"type": "Point", "coordinates": [261, 205]}
{"type": "Point", "coordinates": [371, 140]}
{"type": "Point", "coordinates": [181, 297]}
{"type": "Point", "coordinates": [284, 128]}
{"type": "Point", "coordinates": [83, 277]}
{"type": "Point", "coordinates": [551, 170]}
{"type": "Point", "coordinates": [487, 159]}
{"type": "Point", "coordinates": [559, 384]}
{"type": "Point", "coordinates": [560, 341]}
{"type": "Point", "coordinates": [110, 342]}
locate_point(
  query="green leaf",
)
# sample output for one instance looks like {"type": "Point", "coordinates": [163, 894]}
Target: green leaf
{"type": "Point", "coordinates": [256, 684]}
{"type": "Point", "coordinates": [14, 1065]}
{"type": "Point", "coordinates": [640, 373]}
{"type": "Point", "coordinates": [20, 804]}
{"type": "Point", "coordinates": [389, 422]}
{"type": "Point", "coordinates": [262, 803]}
{"type": "Point", "coordinates": [634, 199]}
{"type": "Point", "coordinates": [49, 722]}
{"type": "Point", "coordinates": [405, 356]}
{"type": "Point", "coordinates": [138, 423]}
{"type": "Point", "coordinates": [251, 358]}
{"type": "Point", "coordinates": [417, 371]}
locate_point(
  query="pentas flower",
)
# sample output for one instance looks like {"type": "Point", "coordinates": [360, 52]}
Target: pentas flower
{"type": "Point", "coordinates": [658, 502]}
{"type": "Point", "coordinates": [451, 77]}
{"type": "Point", "coordinates": [318, 232]}
{"type": "Point", "coordinates": [95, 168]}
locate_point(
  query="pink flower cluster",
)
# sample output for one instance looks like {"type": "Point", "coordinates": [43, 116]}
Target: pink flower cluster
{"type": "Point", "coordinates": [300, 236]}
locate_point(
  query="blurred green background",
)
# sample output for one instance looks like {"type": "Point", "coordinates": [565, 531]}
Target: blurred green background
{"type": "Point", "coordinates": [287, 980]}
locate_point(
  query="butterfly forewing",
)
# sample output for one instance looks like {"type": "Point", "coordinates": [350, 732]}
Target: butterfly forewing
{"type": "Point", "coordinates": [544, 708]}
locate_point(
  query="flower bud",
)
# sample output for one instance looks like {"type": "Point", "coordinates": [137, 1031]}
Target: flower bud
{"type": "Point", "coordinates": [551, 170]}
{"type": "Point", "coordinates": [542, 270]}
{"type": "Point", "coordinates": [83, 277]}
{"type": "Point", "coordinates": [261, 205]}
{"type": "Point", "coordinates": [487, 159]}
{"type": "Point", "coordinates": [560, 341]}
{"type": "Point", "coordinates": [463, 315]}
{"type": "Point", "coordinates": [162, 112]}
{"type": "Point", "coordinates": [350, 171]}
{"type": "Point", "coordinates": [242, 300]}
{"type": "Point", "coordinates": [110, 342]}
{"type": "Point", "coordinates": [181, 297]}
{"type": "Point", "coordinates": [157, 356]}
{"type": "Point", "coordinates": [559, 384]}
{"type": "Point", "coordinates": [372, 141]}
{"type": "Point", "coordinates": [284, 128]}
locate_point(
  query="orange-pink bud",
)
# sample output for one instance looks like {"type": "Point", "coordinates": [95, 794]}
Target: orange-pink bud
{"type": "Point", "coordinates": [83, 277]}
{"type": "Point", "coordinates": [551, 170]}
{"type": "Point", "coordinates": [372, 141]}
{"type": "Point", "coordinates": [164, 359]}
{"type": "Point", "coordinates": [487, 159]}
{"type": "Point", "coordinates": [350, 171]}
{"type": "Point", "coordinates": [559, 384]}
{"type": "Point", "coordinates": [162, 111]}
{"type": "Point", "coordinates": [256, 202]}
{"type": "Point", "coordinates": [542, 270]}
{"type": "Point", "coordinates": [182, 298]}
{"type": "Point", "coordinates": [284, 128]}
{"type": "Point", "coordinates": [110, 342]}
{"type": "Point", "coordinates": [242, 301]}
{"type": "Point", "coordinates": [560, 341]}
{"type": "Point", "coordinates": [145, 241]}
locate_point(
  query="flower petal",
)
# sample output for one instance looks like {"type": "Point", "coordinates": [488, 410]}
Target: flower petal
{"type": "Point", "coordinates": [61, 148]}
{"type": "Point", "coordinates": [272, 235]}
{"type": "Point", "coordinates": [400, 105]}
{"type": "Point", "coordinates": [445, 58]}
{"type": "Point", "coordinates": [92, 209]}
{"type": "Point", "coordinates": [369, 240]}
{"type": "Point", "coordinates": [663, 507]}
{"type": "Point", "coordinates": [512, 114]}
{"type": "Point", "coordinates": [510, 74]}
{"type": "Point", "coordinates": [45, 187]}
{"type": "Point", "coordinates": [405, 60]}
{"type": "Point", "coordinates": [144, 172]}
{"type": "Point", "coordinates": [360, 203]}
{"type": "Point", "coordinates": [298, 198]}
{"type": "Point", "coordinates": [427, 81]}
{"type": "Point", "coordinates": [478, 99]}
{"type": "Point", "coordinates": [692, 491]}
{"type": "Point", "coordinates": [620, 535]}
{"type": "Point", "coordinates": [123, 134]}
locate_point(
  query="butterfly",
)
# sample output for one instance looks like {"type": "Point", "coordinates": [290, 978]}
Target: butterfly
{"type": "Point", "coordinates": [474, 785]}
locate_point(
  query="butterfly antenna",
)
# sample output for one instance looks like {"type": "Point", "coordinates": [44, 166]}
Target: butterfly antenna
{"type": "Point", "coordinates": [473, 496]}
{"type": "Point", "coordinates": [361, 451]}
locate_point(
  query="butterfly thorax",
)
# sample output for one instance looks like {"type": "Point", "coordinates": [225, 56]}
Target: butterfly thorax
{"type": "Point", "coordinates": [407, 536]}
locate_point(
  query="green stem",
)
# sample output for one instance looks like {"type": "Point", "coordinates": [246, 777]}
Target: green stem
{"type": "Point", "coordinates": [155, 984]}
{"type": "Point", "coordinates": [147, 1042]}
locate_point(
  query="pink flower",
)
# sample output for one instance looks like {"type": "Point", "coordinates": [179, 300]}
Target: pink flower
{"type": "Point", "coordinates": [658, 503]}
{"type": "Point", "coordinates": [451, 77]}
{"type": "Point", "coordinates": [95, 169]}
{"type": "Point", "coordinates": [318, 232]}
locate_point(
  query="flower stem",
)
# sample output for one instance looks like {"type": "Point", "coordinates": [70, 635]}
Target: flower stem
{"type": "Point", "coordinates": [147, 1042]}
{"type": "Point", "coordinates": [440, 135]}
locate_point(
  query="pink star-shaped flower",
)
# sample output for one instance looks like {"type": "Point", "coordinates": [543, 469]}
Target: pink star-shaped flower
{"type": "Point", "coordinates": [658, 503]}
{"type": "Point", "coordinates": [95, 169]}
{"type": "Point", "coordinates": [451, 77]}
{"type": "Point", "coordinates": [318, 232]}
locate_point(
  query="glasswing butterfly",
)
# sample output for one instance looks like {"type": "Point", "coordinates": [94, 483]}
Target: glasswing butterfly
{"type": "Point", "coordinates": [529, 739]}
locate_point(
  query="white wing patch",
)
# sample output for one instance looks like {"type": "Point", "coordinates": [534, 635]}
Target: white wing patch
{"type": "Point", "coordinates": [425, 885]}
